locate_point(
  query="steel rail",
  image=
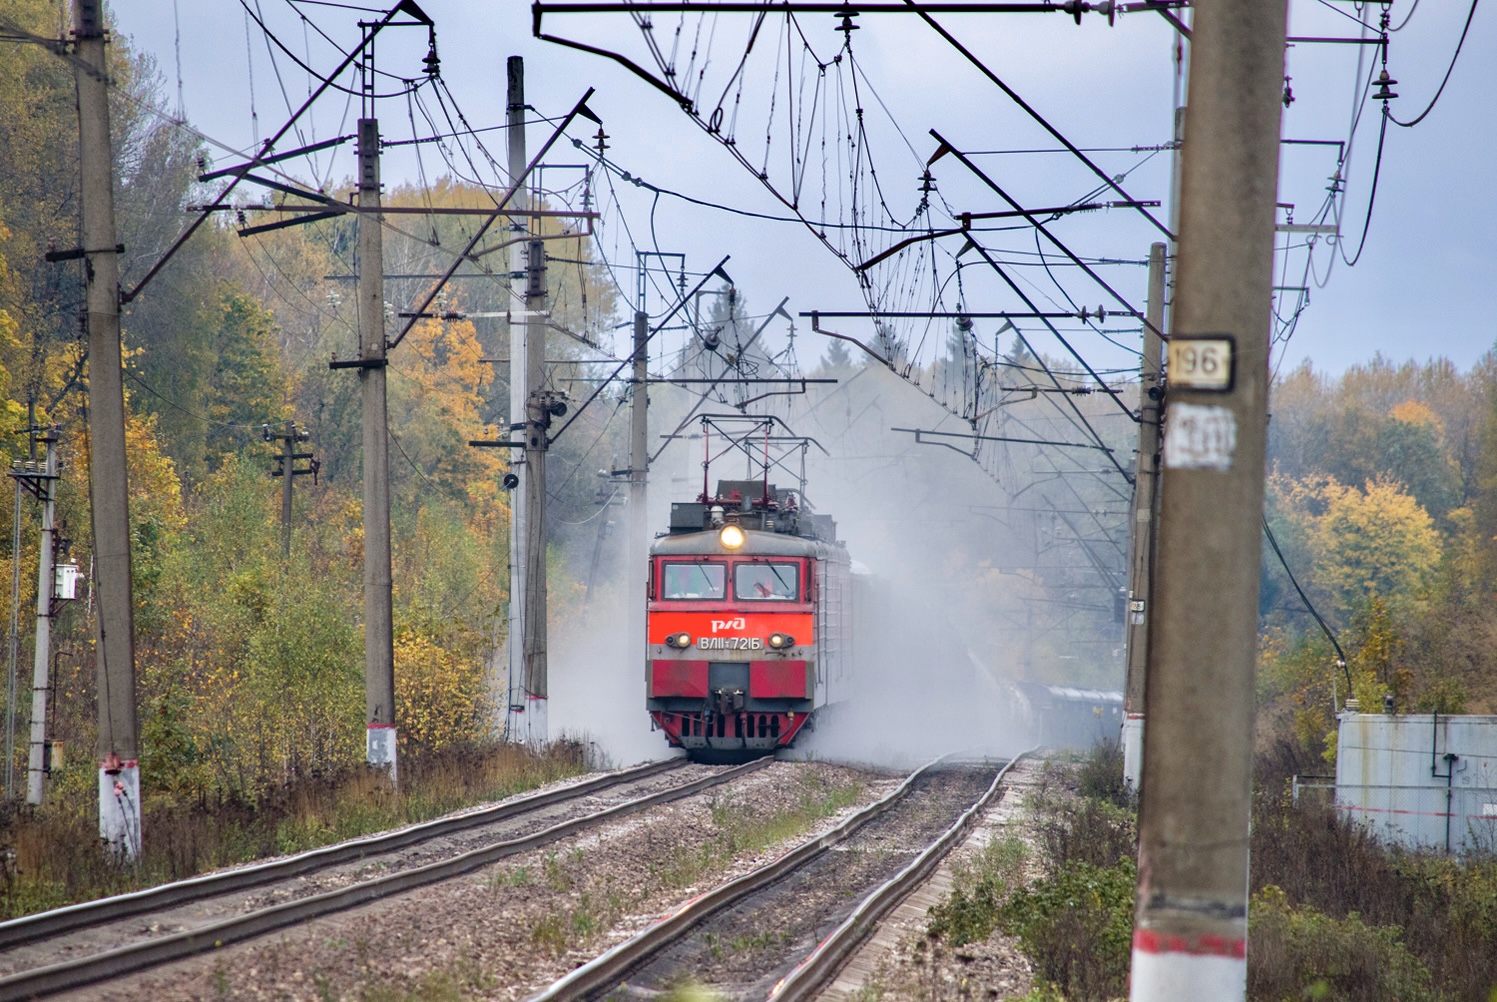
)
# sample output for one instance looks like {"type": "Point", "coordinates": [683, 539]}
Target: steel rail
{"type": "Point", "coordinates": [812, 975]}
{"type": "Point", "coordinates": [155, 952]}
{"type": "Point", "coordinates": [614, 965]}
{"type": "Point", "coordinates": [59, 920]}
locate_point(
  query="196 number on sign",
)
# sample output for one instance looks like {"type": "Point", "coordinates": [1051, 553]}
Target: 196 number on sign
{"type": "Point", "coordinates": [1200, 363]}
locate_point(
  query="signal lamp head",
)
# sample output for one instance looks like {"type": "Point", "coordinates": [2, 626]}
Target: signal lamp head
{"type": "Point", "coordinates": [731, 537]}
{"type": "Point", "coordinates": [678, 640]}
{"type": "Point", "coordinates": [781, 641]}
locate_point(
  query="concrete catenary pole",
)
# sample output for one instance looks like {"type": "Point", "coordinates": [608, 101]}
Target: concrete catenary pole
{"type": "Point", "coordinates": [13, 641]}
{"type": "Point", "coordinates": [36, 769]}
{"type": "Point", "coordinates": [119, 770]}
{"type": "Point", "coordinates": [1191, 931]}
{"type": "Point", "coordinates": [379, 630]}
{"type": "Point", "coordinates": [537, 421]}
{"type": "Point", "coordinates": [1138, 637]}
{"type": "Point", "coordinates": [520, 708]}
{"type": "Point", "coordinates": [639, 462]}
{"type": "Point", "coordinates": [1145, 494]}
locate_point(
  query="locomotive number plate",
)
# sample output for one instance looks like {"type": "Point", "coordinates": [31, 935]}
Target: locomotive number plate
{"type": "Point", "coordinates": [1201, 362]}
{"type": "Point", "coordinates": [731, 643]}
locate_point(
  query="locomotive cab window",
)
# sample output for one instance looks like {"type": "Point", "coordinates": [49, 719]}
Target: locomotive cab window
{"type": "Point", "coordinates": [769, 582]}
{"type": "Point", "coordinates": [694, 581]}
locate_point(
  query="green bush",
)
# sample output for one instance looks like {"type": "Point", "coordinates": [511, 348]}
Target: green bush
{"type": "Point", "coordinates": [970, 913]}
{"type": "Point", "coordinates": [1094, 832]}
{"type": "Point", "coordinates": [1298, 952]}
{"type": "Point", "coordinates": [1099, 776]}
{"type": "Point", "coordinates": [1077, 927]}
{"type": "Point", "coordinates": [1447, 909]}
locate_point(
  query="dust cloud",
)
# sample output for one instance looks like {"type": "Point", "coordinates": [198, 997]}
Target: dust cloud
{"type": "Point", "coordinates": [977, 575]}
{"type": "Point", "coordinates": [597, 681]}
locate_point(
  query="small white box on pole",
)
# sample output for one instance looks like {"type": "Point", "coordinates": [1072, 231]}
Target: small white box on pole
{"type": "Point", "coordinates": [65, 583]}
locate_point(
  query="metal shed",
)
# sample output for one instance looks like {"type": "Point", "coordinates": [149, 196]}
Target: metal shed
{"type": "Point", "coordinates": [1420, 780]}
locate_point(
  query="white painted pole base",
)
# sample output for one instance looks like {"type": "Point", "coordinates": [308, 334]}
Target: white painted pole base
{"type": "Point", "coordinates": [1133, 750]}
{"type": "Point", "coordinates": [1187, 968]}
{"type": "Point", "coordinates": [380, 747]}
{"type": "Point", "coordinates": [119, 809]}
{"type": "Point", "coordinates": [534, 721]}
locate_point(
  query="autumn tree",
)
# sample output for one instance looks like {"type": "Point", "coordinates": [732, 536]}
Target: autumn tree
{"type": "Point", "coordinates": [1374, 543]}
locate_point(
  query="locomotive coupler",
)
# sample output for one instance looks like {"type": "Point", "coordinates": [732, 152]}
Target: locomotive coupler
{"type": "Point", "coordinates": [729, 701]}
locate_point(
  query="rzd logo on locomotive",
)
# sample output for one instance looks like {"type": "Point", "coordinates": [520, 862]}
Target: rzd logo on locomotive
{"type": "Point", "coordinates": [729, 624]}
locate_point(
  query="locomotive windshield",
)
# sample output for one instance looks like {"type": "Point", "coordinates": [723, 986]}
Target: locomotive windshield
{"type": "Point", "coordinates": [684, 581]}
{"type": "Point", "coordinates": [767, 582]}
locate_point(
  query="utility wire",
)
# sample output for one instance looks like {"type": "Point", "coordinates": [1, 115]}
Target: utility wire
{"type": "Point", "coordinates": [1040, 119]}
{"type": "Point", "coordinates": [1450, 69]}
{"type": "Point", "coordinates": [1340, 654]}
{"type": "Point", "coordinates": [410, 84]}
{"type": "Point", "coordinates": [1407, 17]}
{"type": "Point", "coordinates": [178, 407]}
{"type": "Point", "coordinates": [422, 473]}
{"type": "Point", "coordinates": [344, 6]}
{"type": "Point", "coordinates": [1377, 170]}
{"type": "Point", "coordinates": [640, 182]}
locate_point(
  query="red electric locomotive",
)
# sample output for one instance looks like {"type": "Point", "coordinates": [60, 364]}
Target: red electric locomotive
{"type": "Point", "coordinates": [749, 622]}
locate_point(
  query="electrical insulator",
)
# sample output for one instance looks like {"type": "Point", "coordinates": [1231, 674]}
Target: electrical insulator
{"type": "Point", "coordinates": [1385, 85]}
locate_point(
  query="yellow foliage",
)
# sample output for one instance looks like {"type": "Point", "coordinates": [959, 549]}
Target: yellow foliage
{"type": "Point", "coordinates": [1414, 412]}
{"type": "Point", "coordinates": [12, 414]}
{"type": "Point", "coordinates": [155, 491]}
{"type": "Point", "coordinates": [1370, 543]}
{"type": "Point", "coordinates": [1377, 542]}
{"type": "Point", "coordinates": [439, 694]}
{"type": "Point", "coordinates": [446, 364]}
{"type": "Point", "coordinates": [1376, 662]}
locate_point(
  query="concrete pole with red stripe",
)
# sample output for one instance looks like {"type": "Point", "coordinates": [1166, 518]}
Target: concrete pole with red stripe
{"type": "Point", "coordinates": [114, 650]}
{"type": "Point", "coordinates": [1190, 939]}
{"type": "Point", "coordinates": [1145, 494]}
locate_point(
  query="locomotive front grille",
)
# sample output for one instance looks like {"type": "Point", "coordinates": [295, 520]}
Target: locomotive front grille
{"type": "Point", "coordinates": [730, 732]}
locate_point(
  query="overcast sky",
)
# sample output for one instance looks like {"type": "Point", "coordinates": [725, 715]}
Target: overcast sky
{"type": "Point", "coordinates": [1419, 290]}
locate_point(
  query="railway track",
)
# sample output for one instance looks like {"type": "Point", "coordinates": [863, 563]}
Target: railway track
{"type": "Point", "coordinates": [783, 931]}
{"type": "Point", "coordinates": [99, 940]}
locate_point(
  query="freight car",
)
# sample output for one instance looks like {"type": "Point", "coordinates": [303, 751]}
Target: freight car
{"type": "Point", "coordinates": [749, 622]}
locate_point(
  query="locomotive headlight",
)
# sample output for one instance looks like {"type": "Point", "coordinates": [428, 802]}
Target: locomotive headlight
{"type": "Point", "coordinates": [731, 537]}
{"type": "Point", "coordinates": [781, 641]}
{"type": "Point", "coordinates": [678, 640]}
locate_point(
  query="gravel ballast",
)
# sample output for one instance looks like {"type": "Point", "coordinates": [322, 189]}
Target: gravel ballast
{"type": "Point", "coordinates": [900, 963]}
{"type": "Point", "coordinates": [740, 952]}
{"type": "Point", "coordinates": [510, 929]}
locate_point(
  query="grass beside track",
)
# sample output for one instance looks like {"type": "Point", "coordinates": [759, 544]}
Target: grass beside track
{"type": "Point", "coordinates": [52, 856]}
{"type": "Point", "coordinates": [743, 829]}
{"type": "Point", "coordinates": [740, 828]}
{"type": "Point", "coordinates": [566, 900]}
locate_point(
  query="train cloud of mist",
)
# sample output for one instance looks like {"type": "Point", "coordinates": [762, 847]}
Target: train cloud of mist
{"type": "Point", "coordinates": [597, 680]}
{"type": "Point", "coordinates": [917, 689]}
{"type": "Point", "coordinates": [945, 617]}
{"type": "Point", "coordinates": [954, 611]}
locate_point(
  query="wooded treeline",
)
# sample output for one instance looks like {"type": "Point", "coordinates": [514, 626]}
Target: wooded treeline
{"type": "Point", "coordinates": [250, 666]}
{"type": "Point", "coordinates": [1382, 494]}
{"type": "Point", "coordinates": [1382, 490]}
